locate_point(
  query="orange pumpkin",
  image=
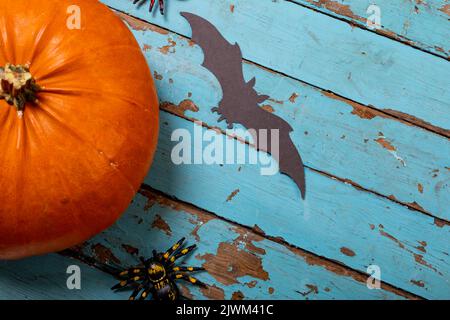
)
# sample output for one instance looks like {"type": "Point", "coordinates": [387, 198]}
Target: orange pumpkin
{"type": "Point", "coordinates": [75, 155]}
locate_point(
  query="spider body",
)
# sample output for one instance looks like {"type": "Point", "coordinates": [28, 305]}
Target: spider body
{"type": "Point", "coordinates": [156, 276]}
{"type": "Point", "coordinates": [152, 4]}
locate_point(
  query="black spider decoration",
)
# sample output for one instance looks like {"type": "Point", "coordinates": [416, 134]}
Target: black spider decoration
{"type": "Point", "coordinates": [157, 275]}
{"type": "Point", "coordinates": [152, 4]}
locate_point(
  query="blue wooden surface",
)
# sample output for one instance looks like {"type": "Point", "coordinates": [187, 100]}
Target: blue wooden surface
{"type": "Point", "coordinates": [332, 134]}
{"type": "Point", "coordinates": [45, 278]}
{"type": "Point", "coordinates": [370, 118]}
{"type": "Point", "coordinates": [236, 259]}
{"type": "Point", "coordinates": [420, 23]}
{"type": "Point", "coordinates": [334, 215]}
{"type": "Point", "coordinates": [325, 52]}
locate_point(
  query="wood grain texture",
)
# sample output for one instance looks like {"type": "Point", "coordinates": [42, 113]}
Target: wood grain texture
{"type": "Point", "coordinates": [331, 134]}
{"type": "Point", "coordinates": [325, 52]}
{"type": "Point", "coordinates": [334, 215]}
{"type": "Point", "coordinates": [45, 277]}
{"type": "Point", "coordinates": [423, 24]}
{"type": "Point", "coordinates": [238, 261]}
{"type": "Point", "coordinates": [169, 74]}
{"type": "Point", "coordinates": [375, 183]}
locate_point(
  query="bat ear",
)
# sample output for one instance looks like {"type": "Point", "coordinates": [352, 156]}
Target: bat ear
{"type": "Point", "coordinates": [262, 98]}
{"type": "Point", "coordinates": [252, 82]}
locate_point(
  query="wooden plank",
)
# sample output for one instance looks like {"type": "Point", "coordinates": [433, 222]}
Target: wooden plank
{"type": "Point", "coordinates": [325, 52]}
{"type": "Point", "coordinates": [423, 24]}
{"type": "Point", "coordinates": [334, 216]}
{"type": "Point", "coordinates": [239, 263]}
{"type": "Point", "coordinates": [332, 134]}
{"type": "Point", "coordinates": [45, 278]}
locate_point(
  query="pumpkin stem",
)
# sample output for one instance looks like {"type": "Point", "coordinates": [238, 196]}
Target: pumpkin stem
{"type": "Point", "coordinates": [17, 86]}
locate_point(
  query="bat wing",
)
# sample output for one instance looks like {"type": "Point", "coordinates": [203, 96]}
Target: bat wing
{"type": "Point", "coordinates": [222, 59]}
{"type": "Point", "coordinates": [291, 162]}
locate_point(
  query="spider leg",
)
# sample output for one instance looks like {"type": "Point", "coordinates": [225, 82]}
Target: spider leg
{"type": "Point", "coordinates": [161, 6]}
{"type": "Point", "coordinates": [187, 269]}
{"type": "Point", "coordinates": [127, 282]}
{"type": "Point", "coordinates": [152, 4]}
{"type": "Point", "coordinates": [136, 292]}
{"type": "Point", "coordinates": [131, 272]}
{"type": "Point", "coordinates": [189, 279]}
{"type": "Point", "coordinates": [141, 2]}
{"type": "Point", "coordinates": [173, 249]}
{"type": "Point", "coordinates": [145, 293]}
{"type": "Point", "coordinates": [182, 253]}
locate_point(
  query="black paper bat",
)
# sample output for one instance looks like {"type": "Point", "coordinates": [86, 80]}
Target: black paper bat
{"type": "Point", "coordinates": [240, 102]}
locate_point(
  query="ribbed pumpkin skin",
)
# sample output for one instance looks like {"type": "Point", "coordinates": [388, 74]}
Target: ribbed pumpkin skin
{"type": "Point", "coordinates": [71, 166]}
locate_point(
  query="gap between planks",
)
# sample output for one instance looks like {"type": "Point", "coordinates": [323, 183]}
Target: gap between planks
{"type": "Point", "coordinates": [312, 258]}
{"type": "Point", "coordinates": [330, 265]}
{"type": "Point", "coordinates": [372, 110]}
{"type": "Point", "coordinates": [381, 32]}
